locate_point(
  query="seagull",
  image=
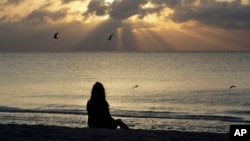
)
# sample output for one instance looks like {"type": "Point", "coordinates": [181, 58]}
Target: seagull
{"type": "Point", "coordinates": [136, 86]}
{"type": "Point", "coordinates": [110, 36]}
{"type": "Point", "coordinates": [55, 36]}
{"type": "Point", "coordinates": [231, 87]}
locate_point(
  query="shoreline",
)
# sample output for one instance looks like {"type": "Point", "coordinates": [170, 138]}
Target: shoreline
{"type": "Point", "coordinates": [51, 133]}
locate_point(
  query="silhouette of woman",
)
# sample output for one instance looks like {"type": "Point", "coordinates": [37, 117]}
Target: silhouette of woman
{"type": "Point", "coordinates": [98, 110]}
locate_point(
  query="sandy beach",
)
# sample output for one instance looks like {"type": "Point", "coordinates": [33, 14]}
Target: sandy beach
{"type": "Point", "coordinates": [54, 133]}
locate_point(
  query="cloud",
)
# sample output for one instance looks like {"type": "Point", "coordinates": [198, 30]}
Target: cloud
{"type": "Point", "coordinates": [169, 3]}
{"type": "Point", "coordinates": [229, 15]}
{"type": "Point", "coordinates": [119, 9]}
{"type": "Point", "coordinates": [129, 20]}
{"type": "Point", "coordinates": [14, 2]}
{"type": "Point", "coordinates": [124, 9]}
{"type": "Point", "coordinates": [96, 7]}
{"type": "Point", "coordinates": [232, 15]}
{"type": "Point", "coordinates": [42, 16]}
{"type": "Point", "coordinates": [69, 1]}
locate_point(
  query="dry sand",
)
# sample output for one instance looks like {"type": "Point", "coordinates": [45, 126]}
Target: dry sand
{"type": "Point", "coordinates": [13, 132]}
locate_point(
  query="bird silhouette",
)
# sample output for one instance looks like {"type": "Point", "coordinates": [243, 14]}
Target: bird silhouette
{"type": "Point", "coordinates": [56, 35]}
{"type": "Point", "coordinates": [136, 86]}
{"type": "Point", "coordinates": [110, 36]}
{"type": "Point", "coordinates": [231, 87]}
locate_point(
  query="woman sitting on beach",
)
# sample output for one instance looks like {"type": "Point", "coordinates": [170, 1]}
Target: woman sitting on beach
{"type": "Point", "coordinates": [98, 110]}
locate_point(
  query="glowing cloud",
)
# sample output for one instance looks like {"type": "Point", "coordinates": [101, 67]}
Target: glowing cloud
{"type": "Point", "coordinates": [155, 25]}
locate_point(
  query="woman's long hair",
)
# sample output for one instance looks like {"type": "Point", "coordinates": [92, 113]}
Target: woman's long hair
{"type": "Point", "coordinates": [98, 92]}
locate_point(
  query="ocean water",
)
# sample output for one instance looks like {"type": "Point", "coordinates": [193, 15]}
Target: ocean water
{"type": "Point", "coordinates": [177, 91]}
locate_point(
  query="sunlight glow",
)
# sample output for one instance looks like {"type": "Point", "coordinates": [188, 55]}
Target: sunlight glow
{"type": "Point", "coordinates": [109, 1]}
{"type": "Point", "coordinates": [148, 5]}
{"type": "Point", "coordinates": [245, 2]}
{"type": "Point", "coordinates": [97, 19]}
{"type": "Point", "coordinates": [78, 6]}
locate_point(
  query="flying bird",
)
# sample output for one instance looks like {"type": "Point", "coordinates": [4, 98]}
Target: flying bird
{"type": "Point", "coordinates": [136, 86]}
{"type": "Point", "coordinates": [110, 36]}
{"type": "Point", "coordinates": [231, 87]}
{"type": "Point", "coordinates": [56, 35]}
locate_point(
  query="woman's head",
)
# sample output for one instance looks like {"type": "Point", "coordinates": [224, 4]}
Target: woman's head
{"type": "Point", "coordinates": [98, 91]}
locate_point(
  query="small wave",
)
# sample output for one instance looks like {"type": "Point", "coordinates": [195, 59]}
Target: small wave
{"type": "Point", "coordinates": [239, 112]}
{"type": "Point", "coordinates": [132, 114]}
{"type": "Point", "coordinates": [50, 111]}
{"type": "Point", "coordinates": [176, 115]}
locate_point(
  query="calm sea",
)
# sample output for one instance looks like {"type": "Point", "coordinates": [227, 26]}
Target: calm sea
{"type": "Point", "coordinates": [176, 91]}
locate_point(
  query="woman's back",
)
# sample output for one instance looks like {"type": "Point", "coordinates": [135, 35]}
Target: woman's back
{"type": "Point", "coordinates": [98, 110]}
{"type": "Point", "coordinates": [99, 116]}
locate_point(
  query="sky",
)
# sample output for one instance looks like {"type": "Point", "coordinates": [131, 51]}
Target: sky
{"type": "Point", "coordinates": [137, 25]}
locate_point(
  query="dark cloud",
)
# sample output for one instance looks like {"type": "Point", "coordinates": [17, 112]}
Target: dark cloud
{"type": "Point", "coordinates": [124, 9]}
{"type": "Point", "coordinates": [232, 15]}
{"type": "Point", "coordinates": [41, 16]}
{"type": "Point", "coordinates": [14, 2]}
{"type": "Point", "coordinates": [96, 7]}
{"type": "Point", "coordinates": [119, 9]}
{"type": "Point", "coordinates": [168, 3]}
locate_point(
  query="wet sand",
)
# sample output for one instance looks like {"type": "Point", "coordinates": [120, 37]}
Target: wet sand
{"type": "Point", "coordinates": [13, 132]}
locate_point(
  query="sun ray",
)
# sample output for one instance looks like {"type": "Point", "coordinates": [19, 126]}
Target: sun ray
{"type": "Point", "coordinates": [144, 40]}
{"type": "Point", "coordinates": [128, 41]}
{"type": "Point", "coordinates": [119, 42]}
{"type": "Point", "coordinates": [204, 40]}
{"type": "Point", "coordinates": [152, 40]}
{"type": "Point", "coordinates": [139, 40]}
{"type": "Point", "coordinates": [164, 37]}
